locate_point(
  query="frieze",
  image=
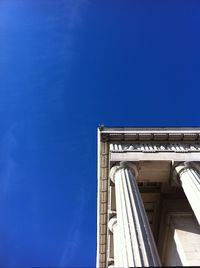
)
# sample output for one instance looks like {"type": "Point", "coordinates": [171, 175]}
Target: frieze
{"type": "Point", "coordinates": [149, 147]}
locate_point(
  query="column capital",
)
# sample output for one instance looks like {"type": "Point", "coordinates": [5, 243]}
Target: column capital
{"type": "Point", "coordinates": [123, 165]}
{"type": "Point", "coordinates": [112, 222]}
{"type": "Point", "coordinates": [179, 169]}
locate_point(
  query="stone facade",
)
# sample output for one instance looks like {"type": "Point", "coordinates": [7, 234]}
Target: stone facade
{"type": "Point", "coordinates": [148, 197]}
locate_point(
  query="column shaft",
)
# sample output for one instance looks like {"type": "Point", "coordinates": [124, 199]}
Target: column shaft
{"type": "Point", "coordinates": [137, 242]}
{"type": "Point", "coordinates": [113, 226]}
{"type": "Point", "coordinates": [190, 181]}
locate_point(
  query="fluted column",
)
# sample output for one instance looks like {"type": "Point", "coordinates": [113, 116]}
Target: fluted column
{"type": "Point", "coordinates": [189, 179]}
{"type": "Point", "coordinates": [134, 233]}
{"type": "Point", "coordinates": [112, 225]}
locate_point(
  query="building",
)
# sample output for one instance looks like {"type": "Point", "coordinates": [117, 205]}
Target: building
{"type": "Point", "coordinates": [148, 197]}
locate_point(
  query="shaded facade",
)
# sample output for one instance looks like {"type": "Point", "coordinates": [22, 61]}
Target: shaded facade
{"type": "Point", "coordinates": [148, 197]}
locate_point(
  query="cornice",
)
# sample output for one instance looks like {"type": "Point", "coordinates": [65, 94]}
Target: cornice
{"type": "Point", "coordinates": [150, 136]}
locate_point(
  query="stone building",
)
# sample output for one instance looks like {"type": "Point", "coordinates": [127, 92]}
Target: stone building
{"type": "Point", "coordinates": [148, 197]}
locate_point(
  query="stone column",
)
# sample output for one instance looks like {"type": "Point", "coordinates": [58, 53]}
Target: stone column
{"type": "Point", "coordinates": [189, 179]}
{"type": "Point", "coordinates": [137, 246]}
{"type": "Point", "coordinates": [112, 225]}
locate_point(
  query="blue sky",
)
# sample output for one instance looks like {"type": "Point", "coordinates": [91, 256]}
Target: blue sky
{"type": "Point", "coordinates": [67, 66]}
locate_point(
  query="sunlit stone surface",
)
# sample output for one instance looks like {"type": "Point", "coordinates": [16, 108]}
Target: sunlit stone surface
{"type": "Point", "coordinates": [148, 207]}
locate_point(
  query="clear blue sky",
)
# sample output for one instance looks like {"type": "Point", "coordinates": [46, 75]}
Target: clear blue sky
{"type": "Point", "coordinates": [65, 67]}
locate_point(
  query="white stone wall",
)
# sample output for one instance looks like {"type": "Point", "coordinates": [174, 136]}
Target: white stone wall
{"type": "Point", "coordinates": [183, 245]}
